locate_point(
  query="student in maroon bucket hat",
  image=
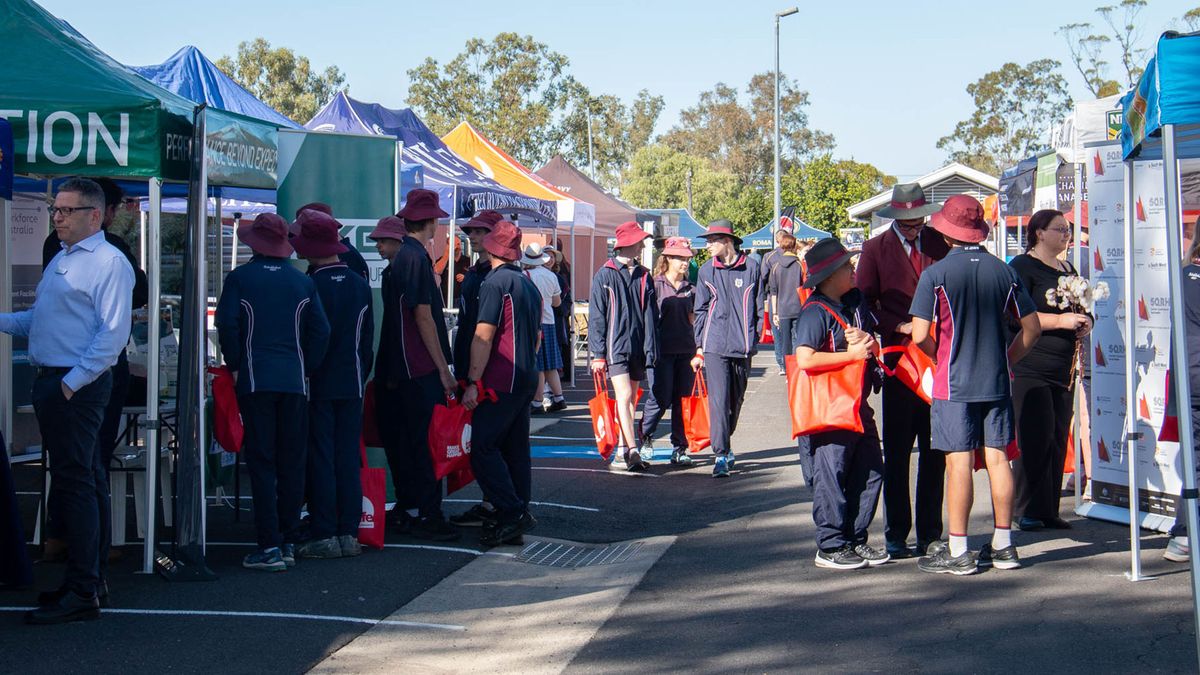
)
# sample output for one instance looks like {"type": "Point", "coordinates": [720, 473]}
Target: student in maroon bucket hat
{"type": "Point", "coordinates": [273, 333]}
{"type": "Point", "coordinates": [415, 374]}
{"type": "Point", "coordinates": [336, 390]}
{"type": "Point", "coordinates": [672, 377]}
{"type": "Point", "coordinates": [503, 363]}
{"type": "Point", "coordinates": [971, 294]}
{"type": "Point", "coordinates": [623, 331]}
{"type": "Point", "coordinates": [351, 257]}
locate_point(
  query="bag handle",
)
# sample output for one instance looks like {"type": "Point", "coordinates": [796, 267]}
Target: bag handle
{"type": "Point", "coordinates": [894, 349]}
{"type": "Point", "coordinates": [600, 382]}
{"type": "Point", "coordinates": [699, 386]}
{"type": "Point", "coordinates": [835, 315]}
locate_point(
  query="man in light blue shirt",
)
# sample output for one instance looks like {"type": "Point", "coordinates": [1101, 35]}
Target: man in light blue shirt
{"type": "Point", "coordinates": [77, 326]}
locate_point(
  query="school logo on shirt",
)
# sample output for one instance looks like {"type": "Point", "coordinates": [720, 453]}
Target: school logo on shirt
{"type": "Point", "coordinates": [272, 268]}
{"type": "Point", "coordinates": [737, 282]}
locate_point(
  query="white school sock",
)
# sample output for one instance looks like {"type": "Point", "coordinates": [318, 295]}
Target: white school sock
{"type": "Point", "coordinates": [1001, 538]}
{"type": "Point", "coordinates": [958, 545]}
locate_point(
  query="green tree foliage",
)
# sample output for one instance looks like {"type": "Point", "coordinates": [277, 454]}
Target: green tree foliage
{"type": "Point", "coordinates": [738, 138]}
{"type": "Point", "coordinates": [1014, 106]}
{"type": "Point", "coordinates": [514, 89]}
{"type": "Point", "coordinates": [823, 188]}
{"type": "Point", "coordinates": [1088, 49]}
{"type": "Point", "coordinates": [618, 132]}
{"type": "Point", "coordinates": [1191, 19]}
{"type": "Point", "coordinates": [658, 178]}
{"type": "Point", "coordinates": [282, 79]}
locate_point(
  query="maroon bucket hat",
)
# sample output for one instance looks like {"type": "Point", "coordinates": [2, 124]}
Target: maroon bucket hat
{"type": "Point", "coordinates": [504, 241]}
{"type": "Point", "coordinates": [961, 218]}
{"type": "Point", "coordinates": [421, 204]}
{"type": "Point", "coordinates": [266, 235]}
{"type": "Point", "coordinates": [629, 234]}
{"type": "Point", "coordinates": [318, 235]}
{"type": "Point", "coordinates": [484, 220]}
{"type": "Point", "coordinates": [389, 227]}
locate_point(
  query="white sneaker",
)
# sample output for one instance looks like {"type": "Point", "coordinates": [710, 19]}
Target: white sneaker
{"type": "Point", "coordinates": [1178, 550]}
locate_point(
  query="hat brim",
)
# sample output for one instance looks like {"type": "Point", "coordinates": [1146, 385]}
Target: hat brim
{"type": "Point", "coordinates": [534, 262]}
{"type": "Point", "coordinates": [814, 279]}
{"type": "Point", "coordinates": [639, 237]}
{"type": "Point", "coordinates": [421, 213]}
{"type": "Point", "coordinates": [502, 252]}
{"type": "Point", "coordinates": [968, 235]}
{"type": "Point", "coordinates": [307, 248]}
{"type": "Point", "coordinates": [263, 246]}
{"type": "Point", "coordinates": [895, 213]}
{"type": "Point", "coordinates": [736, 239]}
{"type": "Point", "coordinates": [678, 252]}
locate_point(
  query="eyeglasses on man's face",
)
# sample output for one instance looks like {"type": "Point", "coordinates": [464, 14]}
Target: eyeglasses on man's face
{"type": "Point", "coordinates": [66, 211]}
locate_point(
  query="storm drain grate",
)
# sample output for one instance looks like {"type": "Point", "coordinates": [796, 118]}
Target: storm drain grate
{"type": "Point", "coordinates": [550, 554]}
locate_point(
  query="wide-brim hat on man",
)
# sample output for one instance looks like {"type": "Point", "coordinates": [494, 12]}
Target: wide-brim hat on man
{"type": "Point", "coordinates": [823, 259]}
{"type": "Point", "coordinates": [318, 235]}
{"type": "Point", "coordinates": [721, 227]}
{"type": "Point", "coordinates": [266, 235]}
{"type": "Point", "coordinates": [504, 241]}
{"type": "Point", "coordinates": [534, 255]}
{"type": "Point", "coordinates": [961, 219]}
{"type": "Point", "coordinates": [421, 204]}
{"type": "Point", "coordinates": [678, 246]}
{"type": "Point", "coordinates": [389, 227]}
{"type": "Point", "coordinates": [629, 234]}
{"type": "Point", "coordinates": [484, 220]}
{"type": "Point", "coordinates": [908, 202]}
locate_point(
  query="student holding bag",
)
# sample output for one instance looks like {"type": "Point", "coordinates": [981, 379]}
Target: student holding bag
{"type": "Point", "coordinates": [848, 465]}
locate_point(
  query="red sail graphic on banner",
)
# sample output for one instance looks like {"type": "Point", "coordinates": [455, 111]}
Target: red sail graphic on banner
{"type": "Point", "coordinates": [1143, 408]}
{"type": "Point", "coordinates": [1141, 210]}
{"type": "Point", "coordinates": [1100, 361]}
{"type": "Point", "coordinates": [1097, 164]}
{"type": "Point", "coordinates": [1099, 263]}
{"type": "Point", "coordinates": [1102, 451]}
{"type": "Point", "coordinates": [1143, 311]}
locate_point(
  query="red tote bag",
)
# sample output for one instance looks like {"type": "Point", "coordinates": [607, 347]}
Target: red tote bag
{"type": "Point", "coordinates": [450, 438]}
{"type": "Point", "coordinates": [374, 503]}
{"type": "Point", "coordinates": [695, 415]}
{"type": "Point", "coordinates": [827, 399]}
{"type": "Point", "coordinates": [914, 369]}
{"type": "Point", "coordinates": [604, 423]}
{"type": "Point", "coordinates": [227, 418]}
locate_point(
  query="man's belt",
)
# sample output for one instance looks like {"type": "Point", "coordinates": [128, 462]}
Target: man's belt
{"type": "Point", "coordinates": [51, 371]}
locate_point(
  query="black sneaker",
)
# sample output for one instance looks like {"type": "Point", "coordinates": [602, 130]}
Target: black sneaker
{"type": "Point", "coordinates": [872, 555]}
{"type": "Point", "coordinates": [400, 522]}
{"type": "Point", "coordinates": [476, 516]}
{"type": "Point", "coordinates": [634, 461]}
{"type": "Point", "coordinates": [679, 457]}
{"type": "Point", "coordinates": [943, 563]}
{"type": "Point", "coordinates": [434, 529]}
{"type": "Point", "coordinates": [898, 550]}
{"type": "Point", "coordinates": [507, 531]}
{"type": "Point", "coordinates": [1002, 559]}
{"type": "Point", "coordinates": [537, 410]}
{"type": "Point", "coordinates": [843, 558]}
{"type": "Point", "coordinates": [558, 405]}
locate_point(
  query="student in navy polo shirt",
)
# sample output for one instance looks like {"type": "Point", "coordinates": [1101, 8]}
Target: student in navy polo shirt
{"type": "Point", "coordinates": [468, 312]}
{"type": "Point", "coordinates": [503, 361]}
{"type": "Point", "coordinates": [672, 377]}
{"type": "Point", "coordinates": [417, 375]}
{"type": "Point", "coordinates": [335, 391]}
{"type": "Point", "coordinates": [969, 293]}
{"type": "Point", "coordinates": [622, 331]}
{"type": "Point", "coordinates": [727, 314]}
{"type": "Point", "coordinates": [273, 333]}
{"type": "Point", "coordinates": [835, 329]}
{"type": "Point", "coordinates": [350, 257]}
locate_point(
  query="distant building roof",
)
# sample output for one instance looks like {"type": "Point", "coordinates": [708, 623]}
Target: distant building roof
{"type": "Point", "coordinates": [952, 179]}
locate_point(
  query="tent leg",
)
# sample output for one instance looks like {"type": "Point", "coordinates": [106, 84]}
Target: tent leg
{"type": "Point", "coordinates": [1180, 359]}
{"type": "Point", "coordinates": [1079, 400]}
{"type": "Point", "coordinates": [6, 372]}
{"type": "Point", "coordinates": [150, 259]}
{"type": "Point", "coordinates": [1131, 412]}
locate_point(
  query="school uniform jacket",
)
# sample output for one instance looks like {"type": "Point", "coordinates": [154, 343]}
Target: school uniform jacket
{"type": "Point", "coordinates": [272, 326]}
{"type": "Point", "coordinates": [727, 308]}
{"type": "Point", "coordinates": [346, 299]}
{"type": "Point", "coordinates": [887, 278]}
{"type": "Point", "coordinates": [623, 314]}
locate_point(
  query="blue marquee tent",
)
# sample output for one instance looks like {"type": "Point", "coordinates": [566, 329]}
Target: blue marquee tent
{"type": "Point", "coordinates": [764, 238]}
{"type": "Point", "coordinates": [191, 75]}
{"type": "Point", "coordinates": [462, 189]}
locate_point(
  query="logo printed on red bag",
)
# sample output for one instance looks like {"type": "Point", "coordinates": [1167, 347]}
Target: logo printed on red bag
{"type": "Point", "coordinates": [368, 514]}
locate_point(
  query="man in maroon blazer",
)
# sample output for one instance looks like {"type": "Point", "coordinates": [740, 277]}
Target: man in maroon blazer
{"type": "Point", "coordinates": [888, 269]}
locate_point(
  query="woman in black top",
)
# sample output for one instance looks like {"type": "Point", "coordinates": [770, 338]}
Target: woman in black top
{"type": "Point", "coordinates": [672, 377]}
{"type": "Point", "coordinates": [1042, 390]}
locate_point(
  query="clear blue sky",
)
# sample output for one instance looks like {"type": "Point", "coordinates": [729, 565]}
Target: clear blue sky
{"type": "Point", "coordinates": [886, 78]}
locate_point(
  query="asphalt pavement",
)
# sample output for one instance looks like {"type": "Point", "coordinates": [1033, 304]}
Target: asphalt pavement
{"type": "Point", "coordinates": [734, 591]}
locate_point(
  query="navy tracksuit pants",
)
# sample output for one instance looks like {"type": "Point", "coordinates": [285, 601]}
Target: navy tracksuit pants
{"type": "Point", "coordinates": [726, 378]}
{"type": "Point", "coordinates": [79, 499]}
{"type": "Point", "coordinates": [848, 474]}
{"type": "Point", "coordinates": [670, 380]}
{"type": "Point", "coordinates": [403, 414]}
{"type": "Point", "coordinates": [500, 453]}
{"type": "Point", "coordinates": [276, 444]}
{"type": "Point", "coordinates": [334, 480]}
{"type": "Point", "coordinates": [905, 422]}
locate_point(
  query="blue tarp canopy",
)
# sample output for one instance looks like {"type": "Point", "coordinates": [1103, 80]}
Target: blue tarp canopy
{"type": "Point", "coordinates": [445, 171]}
{"type": "Point", "coordinates": [688, 226]}
{"type": "Point", "coordinates": [191, 75]}
{"type": "Point", "coordinates": [1168, 92]}
{"type": "Point", "coordinates": [764, 238]}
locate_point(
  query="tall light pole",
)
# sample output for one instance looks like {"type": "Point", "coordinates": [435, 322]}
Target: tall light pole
{"type": "Point", "coordinates": [778, 204]}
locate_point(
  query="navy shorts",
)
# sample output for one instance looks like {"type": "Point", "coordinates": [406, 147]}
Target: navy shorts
{"type": "Point", "coordinates": [635, 368]}
{"type": "Point", "coordinates": [959, 427]}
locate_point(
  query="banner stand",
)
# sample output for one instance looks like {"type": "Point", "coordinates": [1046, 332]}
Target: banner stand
{"type": "Point", "coordinates": [1132, 435]}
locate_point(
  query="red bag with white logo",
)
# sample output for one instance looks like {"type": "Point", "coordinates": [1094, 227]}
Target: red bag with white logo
{"type": "Point", "coordinates": [604, 418]}
{"type": "Point", "coordinates": [914, 369]}
{"type": "Point", "coordinates": [695, 415]}
{"type": "Point", "coordinates": [227, 419]}
{"type": "Point", "coordinates": [374, 503]}
{"type": "Point", "coordinates": [450, 438]}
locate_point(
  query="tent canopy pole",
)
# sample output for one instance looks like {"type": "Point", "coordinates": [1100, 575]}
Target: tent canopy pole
{"type": "Point", "coordinates": [1131, 412]}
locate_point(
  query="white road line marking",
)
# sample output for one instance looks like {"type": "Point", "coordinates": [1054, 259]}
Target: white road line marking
{"type": "Point", "coordinates": [426, 547]}
{"type": "Point", "coordinates": [557, 506]}
{"type": "Point", "coordinates": [560, 438]}
{"type": "Point", "coordinates": [268, 615]}
{"type": "Point", "coordinates": [631, 474]}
